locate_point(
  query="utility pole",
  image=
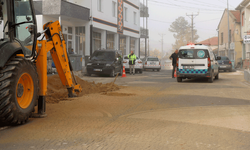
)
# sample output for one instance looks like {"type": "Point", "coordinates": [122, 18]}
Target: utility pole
{"type": "Point", "coordinates": [228, 52]}
{"type": "Point", "coordinates": [192, 22]}
{"type": "Point", "coordinates": [162, 43]}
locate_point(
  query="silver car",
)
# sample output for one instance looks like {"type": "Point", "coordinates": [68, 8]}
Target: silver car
{"type": "Point", "coordinates": [151, 63]}
{"type": "Point", "coordinates": [138, 64]}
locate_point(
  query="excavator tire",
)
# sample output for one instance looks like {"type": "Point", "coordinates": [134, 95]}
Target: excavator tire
{"type": "Point", "coordinates": [19, 90]}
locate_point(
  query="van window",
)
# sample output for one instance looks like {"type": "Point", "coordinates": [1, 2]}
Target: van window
{"type": "Point", "coordinates": [153, 59]}
{"type": "Point", "coordinates": [102, 55]}
{"type": "Point", "coordinates": [193, 54]}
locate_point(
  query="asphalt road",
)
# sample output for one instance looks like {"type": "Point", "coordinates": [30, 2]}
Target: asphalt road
{"type": "Point", "coordinates": [151, 111]}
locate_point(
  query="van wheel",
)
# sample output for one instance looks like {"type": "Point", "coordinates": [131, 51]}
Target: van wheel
{"type": "Point", "coordinates": [217, 76]}
{"type": "Point", "coordinates": [211, 79]}
{"type": "Point", "coordinates": [179, 79]}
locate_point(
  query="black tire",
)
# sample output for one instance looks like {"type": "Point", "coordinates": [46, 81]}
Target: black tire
{"type": "Point", "coordinates": [158, 70]}
{"type": "Point", "coordinates": [217, 76]}
{"type": "Point", "coordinates": [140, 71]}
{"type": "Point", "coordinates": [211, 78]}
{"type": "Point", "coordinates": [18, 80]}
{"type": "Point", "coordinates": [121, 72]}
{"type": "Point", "coordinates": [112, 73]}
{"type": "Point", "coordinates": [179, 79]}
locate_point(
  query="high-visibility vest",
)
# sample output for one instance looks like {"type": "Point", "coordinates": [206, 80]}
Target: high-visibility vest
{"type": "Point", "coordinates": [132, 58]}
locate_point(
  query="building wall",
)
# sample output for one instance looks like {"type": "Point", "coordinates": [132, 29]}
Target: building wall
{"type": "Point", "coordinates": [244, 29]}
{"type": "Point", "coordinates": [106, 15]}
{"type": "Point", "coordinates": [235, 37]}
{"type": "Point", "coordinates": [238, 43]}
{"type": "Point", "coordinates": [223, 28]}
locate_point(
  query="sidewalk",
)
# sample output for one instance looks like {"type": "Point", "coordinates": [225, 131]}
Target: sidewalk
{"type": "Point", "coordinates": [247, 75]}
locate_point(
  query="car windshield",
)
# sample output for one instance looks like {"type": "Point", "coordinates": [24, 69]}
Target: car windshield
{"type": "Point", "coordinates": [193, 54]}
{"type": "Point", "coordinates": [99, 55]}
{"type": "Point", "coordinates": [153, 59]}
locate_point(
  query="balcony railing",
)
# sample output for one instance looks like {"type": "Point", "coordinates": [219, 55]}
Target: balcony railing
{"type": "Point", "coordinates": [143, 10]}
{"type": "Point", "coordinates": [144, 33]}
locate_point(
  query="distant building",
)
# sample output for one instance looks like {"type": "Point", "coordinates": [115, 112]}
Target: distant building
{"type": "Point", "coordinates": [233, 49]}
{"type": "Point", "coordinates": [89, 25]}
{"type": "Point", "coordinates": [212, 42]}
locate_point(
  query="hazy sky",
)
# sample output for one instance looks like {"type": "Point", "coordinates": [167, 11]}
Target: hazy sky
{"type": "Point", "coordinates": [164, 12]}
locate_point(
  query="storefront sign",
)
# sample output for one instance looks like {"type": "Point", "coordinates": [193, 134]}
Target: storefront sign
{"type": "Point", "coordinates": [120, 17]}
{"type": "Point", "coordinates": [246, 39]}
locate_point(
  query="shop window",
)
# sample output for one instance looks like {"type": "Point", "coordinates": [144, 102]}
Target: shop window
{"type": "Point", "coordinates": [96, 41]}
{"type": "Point", "coordinates": [123, 45]}
{"type": "Point", "coordinates": [80, 40]}
{"type": "Point", "coordinates": [70, 39]}
{"type": "Point", "coordinates": [70, 30]}
{"type": "Point", "coordinates": [110, 41]}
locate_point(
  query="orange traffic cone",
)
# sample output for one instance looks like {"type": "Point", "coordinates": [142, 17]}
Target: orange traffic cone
{"type": "Point", "coordinates": [175, 73]}
{"type": "Point", "coordinates": [123, 72]}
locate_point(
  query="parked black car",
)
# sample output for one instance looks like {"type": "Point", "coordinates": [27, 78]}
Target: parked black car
{"type": "Point", "coordinates": [108, 62]}
{"type": "Point", "coordinates": [225, 64]}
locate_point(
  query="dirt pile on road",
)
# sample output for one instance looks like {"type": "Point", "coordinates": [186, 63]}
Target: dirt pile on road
{"type": "Point", "coordinates": [57, 92]}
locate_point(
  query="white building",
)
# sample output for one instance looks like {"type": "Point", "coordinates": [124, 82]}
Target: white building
{"type": "Point", "coordinates": [89, 25]}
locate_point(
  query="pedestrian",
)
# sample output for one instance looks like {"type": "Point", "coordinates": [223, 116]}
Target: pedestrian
{"type": "Point", "coordinates": [173, 57]}
{"type": "Point", "coordinates": [132, 58]}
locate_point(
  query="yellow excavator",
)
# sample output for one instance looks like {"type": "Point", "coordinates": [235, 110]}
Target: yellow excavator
{"type": "Point", "coordinates": [23, 62]}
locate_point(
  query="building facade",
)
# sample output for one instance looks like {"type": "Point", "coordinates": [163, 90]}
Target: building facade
{"type": "Point", "coordinates": [90, 25]}
{"type": "Point", "coordinates": [230, 43]}
{"type": "Point", "coordinates": [244, 8]}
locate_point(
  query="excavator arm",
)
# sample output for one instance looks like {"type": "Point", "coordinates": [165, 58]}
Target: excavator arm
{"type": "Point", "coordinates": [55, 44]}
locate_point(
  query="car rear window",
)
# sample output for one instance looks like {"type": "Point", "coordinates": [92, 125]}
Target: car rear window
{"type": "Point", "coordinates": [103, 55]}
{"type": "Point", "coordinates": [224, 58]}
{"type": "Point", "coordinates": [193, 54]}
{"type": "Point", "coordinates": [153, 59]}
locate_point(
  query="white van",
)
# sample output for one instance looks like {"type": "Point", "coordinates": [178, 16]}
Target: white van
{"type": "Point", "coordinates": [196, 60]}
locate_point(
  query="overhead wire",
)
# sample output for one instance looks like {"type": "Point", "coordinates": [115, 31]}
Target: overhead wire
{"type": "Point", "coordinates": [175, 5]}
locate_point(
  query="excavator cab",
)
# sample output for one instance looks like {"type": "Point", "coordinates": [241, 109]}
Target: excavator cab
{"type": "Point", "coordinates": [19, 26]}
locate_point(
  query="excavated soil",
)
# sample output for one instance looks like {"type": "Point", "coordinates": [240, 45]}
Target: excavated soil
{"type": "Point", "coordinates": [57, 92]}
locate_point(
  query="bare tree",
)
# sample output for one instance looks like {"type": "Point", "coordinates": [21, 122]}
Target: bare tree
{"type": "Point", "coordinates": [182, 32]}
